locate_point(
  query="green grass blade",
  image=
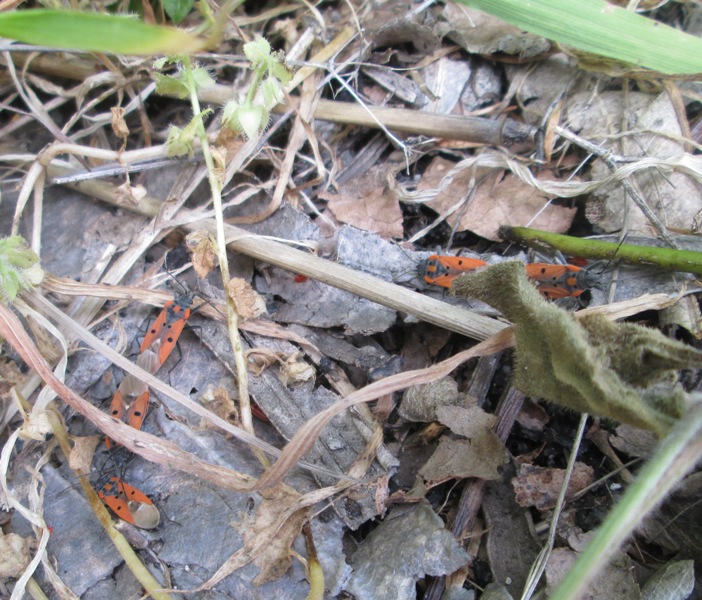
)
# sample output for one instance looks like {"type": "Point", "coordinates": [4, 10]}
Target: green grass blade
{"type": "Point", "coordinates": [600, 28]}
{"type": "Point", "coordinates": [94, 32]}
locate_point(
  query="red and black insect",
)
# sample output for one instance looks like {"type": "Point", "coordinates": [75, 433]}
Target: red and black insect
{"type": "Point", "coordinates": [129, 503]}
{"type": "Point", "coordinates": [131, 400]}
{"type": "Point", "coordinates": [553, 281]}
{"type": "Point", "coordinates": [133, 413]}
{"type": "Point", "coordinates": [168, 326]}
{"type": "Point", "coordinates": [442, 270]}
{"type": "Point", "coordinates": [561, 281]}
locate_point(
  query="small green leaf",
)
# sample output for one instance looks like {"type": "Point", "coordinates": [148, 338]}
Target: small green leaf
{"type": "Point", "coordinates": [170, 85]}
{"type": "Point", "coordinates": [229, 115]}
{"type": "Point", "coordinates": [180, 140]}
{"type": "Point", "coordinates": [177, 10]}
{"type": "Point", "coordinates": [598, 27]}
{"type": "Point", "coordinates": [248, 118]}
{"type": "Point", "coordinates": [252, 120]}
{"type": "Point", "coordinates": [202, 78]}
{"type": "Point", "coordinates": [272, 92]}
{"type": "Point", "coordinates": [279, 69]}
{"type": "Point", "coordinates": [94, 32]}
{"type": "Point", "coordinates": [19, 267]}
{"type": "Point", "coordinates": [258, 52]}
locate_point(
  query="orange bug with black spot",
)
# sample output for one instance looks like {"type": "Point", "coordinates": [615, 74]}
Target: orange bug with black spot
{"type": "Point", "coordinates": [442, 270]}
{"type": "Point", "coordinates": [129, 503]}
{"type": "Point", "coordinates": [132, 413]}
{"type": "Point", "coordinates": [168, 326]}
{"type": "Point", "coordinates": [131, 400]}
{"type": "Point", "coordinates": [561, 281]}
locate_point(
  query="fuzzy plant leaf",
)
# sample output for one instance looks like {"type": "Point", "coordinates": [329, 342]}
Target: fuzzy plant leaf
{"type": "Point", "coordinates": [181, 140]}
{"type": "Point", "coordinates": [179, 85]}
{"type": "Point", "coordinates": [19, 268]}
{"type": "Point", "coordinates": [172, 85]}
{"type": "Point", "coordinates": [589, 365]}
{"type": "Point", "coordinates": [258, 52]}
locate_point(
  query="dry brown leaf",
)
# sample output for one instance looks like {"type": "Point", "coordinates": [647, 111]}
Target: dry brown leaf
{"type": "Point", "coordinates": [46, 343]}
{"type": "Point", "coordinates": [130, 195]}
{"type": "Point", "coordinates": [10, 376]}
{"type": "Point", "coordinates": [496, 202]}
{"type": "Point", "coordinates": [471, 422]}
{"type": "Point", "coordinates": [420, 403]}
{"type": "Point", "coordinates": [673, 196]}
{"type": "Point", "coordinates": [274, 560]}
{"type": "Point", "coordinates": [479, 458]}
{"type": "Point", "coordinates": [366, 203]}
{"type": "Point", "coordinates": [481, 33]}
{"type": "Point", "coordinates": [119, 125]}
{"type": "Point", "coordinates": [36, 426]}
{"type": "Point", "coordinates": [295, 370]}
{"type": "Point", "coordinates": [539, 487]}
{"type": "Point", "coordinates": [249, 304]}
{"type": "Point", "coordinates": [633, 441]}
{"type": "Point", "coordinates": [533, 416]}
{"type": "Point", "coordinates": [14, 555]}
{"type": "Point", "coordinates": [220, 403]}
{"type": "Point", "coordinates": [81, 457]}
{"type": "Point", "coordinates": [259, 359]}
{"type": "Point", "coordinates": [202, 249]}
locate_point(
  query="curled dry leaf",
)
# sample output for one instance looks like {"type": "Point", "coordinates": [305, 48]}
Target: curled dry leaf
{"type": "Point", "coordinates": [272, 516]}
{"type": "Point", "coordinates": [119, 125]}
{"type": "Point", "coordinates": [130, 195]}
{"type": "Point", "coordinates": [249, 304]}
{"type": "Point", "coordinates": [36, 427]}
{"type": "Point", "coordinates": [81, 457]}
{"type": "Point", "coordinates": [221, 403]}
{"type": "Point", "coordinates": [259, 359]}
{"type": "Point", "coordinates": [219, 156]}
{"type": "Point", "coordinates": [492, 199]}
{"type": "Point", "coordinates": [10, 376]}
{"type": "Point", "coordinates": [202, 249]}
{"type": "Point", "coordinates": [295, 370]}
{"type": "Point", "coordinates": [366, 203]}
{"type": "Point", "coordinates": [14, 555]}
{"type": "Point", "coordinates": [480, 455]}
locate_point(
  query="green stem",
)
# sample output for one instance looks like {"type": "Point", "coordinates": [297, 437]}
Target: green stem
{"type": "Point", "coordinates": [255, 84]}
{"type": "Point", "coordinates": [668, 259]}
{"type": "Point", "coordinates": [674, 458]}
{"type": "Point", "coordinates": [232, 315]}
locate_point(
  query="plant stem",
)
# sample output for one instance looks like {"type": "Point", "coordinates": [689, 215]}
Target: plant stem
{"type": "Point", "coordinates": [232, 315]}
{"type": "Point", "coordinates": [130, 557]}
{"type": "Point", "coordinates": [674, 458]}
{"type": "Point", "coordinates": [666, 258]}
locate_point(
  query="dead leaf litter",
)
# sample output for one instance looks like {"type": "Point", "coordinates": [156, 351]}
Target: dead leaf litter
{"type": "Point", "coordinates": [386, 411]}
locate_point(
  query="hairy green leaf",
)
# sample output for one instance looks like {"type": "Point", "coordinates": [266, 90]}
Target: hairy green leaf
{"type": "Point", "coordinates": [590, 365]}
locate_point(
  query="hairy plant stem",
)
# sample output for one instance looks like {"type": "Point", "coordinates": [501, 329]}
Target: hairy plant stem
{"type": "Point", "coordinates": [232, 315]}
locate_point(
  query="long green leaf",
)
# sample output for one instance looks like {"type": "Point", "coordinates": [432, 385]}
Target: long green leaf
{"type": "Point", "coordinates": [598, 27]}
{"type": "Point", "coordinates": [94, 32]}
